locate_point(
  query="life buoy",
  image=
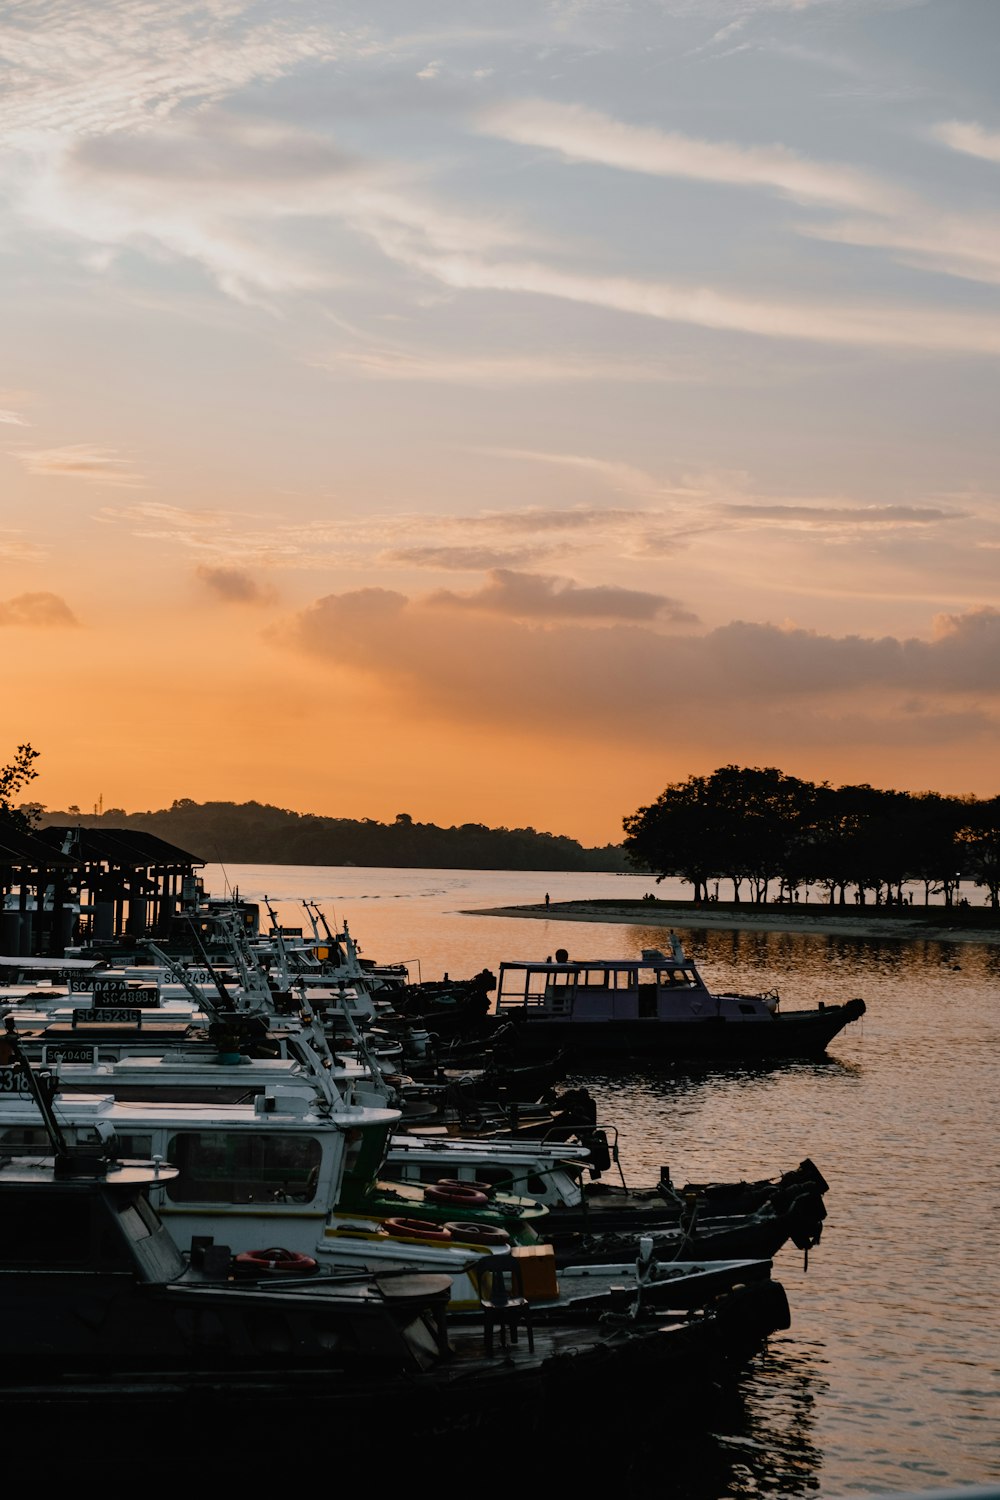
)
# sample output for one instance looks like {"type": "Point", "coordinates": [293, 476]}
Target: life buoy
{"type": "Point", "coordinates": [456, 1182]}
{"type": "Point", "coordinates": [457, 1192]}
{"type": "Point", "coordinates": [277, 1262]}
{"type": "Point", "coordinates": [417, 1229]}
{"type": "Point", "coordinates": [478, 1234]}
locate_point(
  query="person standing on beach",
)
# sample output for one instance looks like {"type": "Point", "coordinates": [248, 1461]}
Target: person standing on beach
{"type": "Point", "coordinates": [546, 898]}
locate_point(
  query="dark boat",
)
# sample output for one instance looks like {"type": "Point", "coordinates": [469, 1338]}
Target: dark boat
{"type": "Point", "coordinates": [655, 1007]}
{"type": "Point", "coordinates": [104, 1318]}
{"type": "Point", "coordinates": [106, 1322]}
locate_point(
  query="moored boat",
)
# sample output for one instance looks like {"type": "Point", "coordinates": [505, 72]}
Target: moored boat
{"type": "Point", "coordinates": [655, 1007]}
{"type": "Point", "coordinates": [103, 1315]}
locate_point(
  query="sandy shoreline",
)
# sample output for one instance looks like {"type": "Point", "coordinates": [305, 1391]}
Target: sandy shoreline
{"type": "Point", "coordinates": [636, 914]}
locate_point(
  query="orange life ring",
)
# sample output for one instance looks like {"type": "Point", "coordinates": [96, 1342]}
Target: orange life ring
{"type": "Point", "coordinates": [478, 1234]}
{"type": "Point", "coordinates": [456, 1182]}
{"type": "Point", "coordinates": [277, 1262]}
{"type": "Point", "coordinates": [417, 1229]}
{"type": "Point", "coordinates": [456, 1192]}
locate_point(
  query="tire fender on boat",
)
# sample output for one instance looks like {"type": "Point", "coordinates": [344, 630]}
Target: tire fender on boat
{"type": "Point", "coordinates": [478, 1234]}
{"type": "Point", "coordinates": [277, 1261]}
{"type": "Point", "coordinates": [455, 1192]}
{"type": "Point", "coordinates": [418, 1229]}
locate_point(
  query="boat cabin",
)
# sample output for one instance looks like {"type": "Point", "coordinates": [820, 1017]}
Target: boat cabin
{"type": "Point", "coordinates": [654, 987]}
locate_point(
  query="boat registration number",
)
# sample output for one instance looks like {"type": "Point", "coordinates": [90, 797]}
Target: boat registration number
{"type": "Point", "coordinates": [116, 1015]}
{"type": "Point", "coordinates": [111, 989]}
{"type": "Point", "coordinates": [12, 1081]}
{"type": "Point", "coordinates": [69, 1055]}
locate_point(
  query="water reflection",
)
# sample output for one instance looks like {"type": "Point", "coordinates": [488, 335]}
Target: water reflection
{"type": "Point", "coordinates": [755, 1437]}
{"type": "Point", "coordinates": [887, 1378]}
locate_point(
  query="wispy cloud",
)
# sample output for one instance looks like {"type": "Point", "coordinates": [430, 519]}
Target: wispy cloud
{"type": "Point", "coordinates": [83, 461]}
{"type": "Point", "coordinates": [463, 559]}
{"type": "Point", "coordinates": [851, 325]}
{"type": "Point", "coordinates": [93, 68]}
{"type": "Point", "coordinates": [955, 245]}
{"type": "Point", "coordinates": [968, 137]}
{"type": "Point", "coordinates": [234, 586]}
{"type": "Point", "coordinates": [867, 516]}
{"type": "Point", "coordinates": [42, 610]}
{"type": "Point", "coordinates": [534, 597]}
{"type": "Point", "coordinates": [495, 370]}
{"type": "Point", "coordinates": [14, 548]}
{"type": "Point", "coordinates": [587, 135]}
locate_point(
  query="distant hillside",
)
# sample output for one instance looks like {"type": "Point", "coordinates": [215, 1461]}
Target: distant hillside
{"type": "Point", "coordinates": [254, 833]}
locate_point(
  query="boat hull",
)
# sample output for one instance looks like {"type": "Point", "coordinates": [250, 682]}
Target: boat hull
{"type": "Point", "coordinates": [802, 1034]}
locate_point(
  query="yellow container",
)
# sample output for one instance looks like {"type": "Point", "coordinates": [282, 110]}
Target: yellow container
{"type": "Point", "coordinates": [537, 1265]}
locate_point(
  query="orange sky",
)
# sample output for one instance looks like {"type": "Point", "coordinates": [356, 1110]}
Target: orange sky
{"type": "Point", "coordinates": [495, 422]}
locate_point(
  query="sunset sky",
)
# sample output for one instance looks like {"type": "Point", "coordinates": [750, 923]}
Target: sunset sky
{"type": "Point", "coordinates": [494, 412]}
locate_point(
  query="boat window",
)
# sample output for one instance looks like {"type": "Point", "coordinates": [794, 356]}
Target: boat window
{"type": "Point", "coordinates": [16, 1137]}
{"type": "Point", "coordinates": [365, 1151]}
{"type": "Point", "coordinates": [243, 1167]}
{"type": "Point", "coordinates": [496, 1176]}
{"type": "Point", "coordinates": [135, 1145]}
{"type": "Point", "coordinates": [675, 978]}
{"type": "Point", "coordinates": [594, 979]}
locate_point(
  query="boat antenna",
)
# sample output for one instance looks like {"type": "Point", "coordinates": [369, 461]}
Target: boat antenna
{"type": "Point", "coordinates": [203, 955]}
{"type": "Point", "coordinates": [70, 1161]}
{"type": "Point", "coordinates": [225, 873]}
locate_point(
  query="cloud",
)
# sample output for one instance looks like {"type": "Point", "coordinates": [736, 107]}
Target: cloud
{"type": "Point", "coordinates": [213, 151]}
{"type": "Point", "coordinates": [93, 68]}
{"type": "Point", "coordinates": [235, 193]}
{"type": "Point", "coordinates": [234, 586]}
{"type": "Point", "coordinates": [868, 516]}
{"type": "Point", "coordinates": [13, 419]}
{"type": "Point", "coordinates": [82, 461]}
{"type": "Point", "coordinates": [620, 476]}
{"type": "Point", "coordinates": [14, 548]}
{"type": "Point", "coordinates": [587, 135]}
{"type": "Point", "coordinates": [462, 559]}
{"type": "Point", "coordinates": [637, 685]}
{"type": "Point", "coordinates": [874, 325]}
{"type": "Point", "coordinates": [530, 518]}
{"type": "Point", "coordinates": [497, 371]}
{"type": "Point", "coordinates": [952, 244]}
{"type": "Point", "coordinates": [214, 188]}
{"type": "Point", "coordinates": [42, 610]}
{"type": "Point", "coordinates": [970, 138]}
{"type": "Point", "coordinates": [531, 596]}
{"type": "Point", "coordinates": [159, 512]}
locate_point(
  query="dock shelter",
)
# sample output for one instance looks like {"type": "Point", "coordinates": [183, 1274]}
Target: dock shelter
{"type": "Point", "coordinates": [62, 885]}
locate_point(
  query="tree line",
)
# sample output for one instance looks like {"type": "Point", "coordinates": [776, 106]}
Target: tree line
{"type": "Point", "coordinates": [771, 835]}
{"type": "Point", "coordinates": [254, 832]}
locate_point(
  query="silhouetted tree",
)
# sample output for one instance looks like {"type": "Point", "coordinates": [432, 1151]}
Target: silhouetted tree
{"type": "Point", "coordinates": [13, 778]}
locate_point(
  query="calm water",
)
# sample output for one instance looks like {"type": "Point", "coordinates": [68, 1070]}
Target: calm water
{"type": "Point", "coordinates": [888, 1378]}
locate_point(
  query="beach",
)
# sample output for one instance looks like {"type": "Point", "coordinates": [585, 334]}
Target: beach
{"type": "Point", "coordinates": [918, 924]}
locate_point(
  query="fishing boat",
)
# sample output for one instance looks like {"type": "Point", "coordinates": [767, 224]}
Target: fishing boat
{"type": "Point", "coordinates": [655, 1007]}
{"type": "Point", "coordinates": [111, 1331]}
{"type": "Point", "coordinates": [185, 1107]}
{"type": "Point", "coordinates": [599, 1220]}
